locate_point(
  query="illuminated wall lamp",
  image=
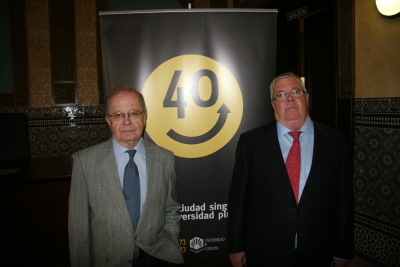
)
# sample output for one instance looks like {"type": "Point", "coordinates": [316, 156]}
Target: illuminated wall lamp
{"type": "Point", "coordinates": [388, 8]}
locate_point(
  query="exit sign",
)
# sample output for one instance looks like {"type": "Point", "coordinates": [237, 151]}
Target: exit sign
{"type": "Point", "coordinates": [297, 13]}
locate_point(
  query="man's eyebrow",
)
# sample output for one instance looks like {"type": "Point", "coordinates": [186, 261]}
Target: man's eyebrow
{"type": "Point", "coordinates": [294, 88]}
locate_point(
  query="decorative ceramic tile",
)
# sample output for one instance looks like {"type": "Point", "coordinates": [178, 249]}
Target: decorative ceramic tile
{"type": "Point", "coordinates": [33, 113]}
{"type": "Point", "coordinates": [64, 140]}
{"type": "Point", "coordinates": [73, 121]}
{"type": "Point", "coordinates": [376, 245]}
{"type": "Point", "coordinates": [377, 120]}
{"type": "Point", "coordinates": [376, 177]}
{"type": "Point", "coordinates": [63, 131]}
{"type": "Point", "coordinates": [377, 172]}
{"type": "Point", "coordinates": [371, 222]}
{"type": "Point", "coordinates": [377, 105]}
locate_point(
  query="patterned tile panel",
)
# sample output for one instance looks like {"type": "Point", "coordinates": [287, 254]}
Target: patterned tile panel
{"type": "Point", "coordinates": [64, 140]}
{"type": "Point", "coordinates": [377, 105]}
{"type": "Point", "coordinates": [387, 228]}
{"type": "Point", "coordinates": [377, 120]}
{"type": "Point", "coordinates": [73, 121]}
{"type": "Point", "coordinates": [377, 172]}
{"type": "Point", "coordinates": [61, 131]}
{"type": "Point", "coordinates": [58, 111]}
{"type": "Point", "coordinates": [376, 177]}
{"type": "Point", "coordinates": [377, 246]}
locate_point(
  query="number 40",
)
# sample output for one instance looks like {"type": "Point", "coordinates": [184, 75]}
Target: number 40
{"type": "Point", "coordinates": [180, 103]}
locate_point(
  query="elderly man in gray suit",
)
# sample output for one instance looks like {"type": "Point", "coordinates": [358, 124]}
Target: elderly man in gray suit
{"type": "Point", "coordinates": [106, 226]}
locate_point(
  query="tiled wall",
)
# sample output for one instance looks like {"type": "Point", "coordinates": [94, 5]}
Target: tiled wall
{"type": "Point", "coordinates": [63, 131]}
{"type": "Point", "coordinates": [376, 176]}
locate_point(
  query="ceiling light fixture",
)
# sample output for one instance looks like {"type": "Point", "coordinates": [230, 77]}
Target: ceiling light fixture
{"type": "Point", "coordinates": [388, 7]}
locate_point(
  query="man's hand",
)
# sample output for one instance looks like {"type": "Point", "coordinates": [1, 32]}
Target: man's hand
{"type": "Point", "coordinates": [340, 263]}
{"type": "Point", "coordinates": [238, 259]}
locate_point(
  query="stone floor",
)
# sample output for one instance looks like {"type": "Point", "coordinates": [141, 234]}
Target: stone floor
{"type": "Point", "coordinates": [358, 262]}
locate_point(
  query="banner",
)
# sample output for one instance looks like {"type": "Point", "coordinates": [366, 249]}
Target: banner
{"type": "Point", "coordinates": [205, 76]}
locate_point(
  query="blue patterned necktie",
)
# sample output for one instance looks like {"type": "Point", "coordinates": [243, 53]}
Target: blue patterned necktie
{"type": "Point", "coordinates": [131, 190]}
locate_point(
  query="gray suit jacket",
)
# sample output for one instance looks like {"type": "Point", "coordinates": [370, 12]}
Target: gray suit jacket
{"type": "Point", "coordinates": [100, 230]}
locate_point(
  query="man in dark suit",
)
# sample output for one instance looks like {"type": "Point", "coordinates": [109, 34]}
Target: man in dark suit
{"type": "Point", "coordinates": [110, 192]}
{"type": "Point", "coordinates": [274, 223]}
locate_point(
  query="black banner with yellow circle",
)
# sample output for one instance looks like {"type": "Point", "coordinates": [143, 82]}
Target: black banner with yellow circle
{"type": "Point", "coordinates": [205, 76]}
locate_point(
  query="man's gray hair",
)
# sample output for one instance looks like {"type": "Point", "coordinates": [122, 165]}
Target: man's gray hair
{"type": "Point", "coordinates": [284, 76]}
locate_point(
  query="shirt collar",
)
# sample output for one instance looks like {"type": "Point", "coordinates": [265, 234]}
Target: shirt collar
{"type": "Point", "coordinates": [119, 150]}
{"type": "Point", "coordinates": [308, 128]}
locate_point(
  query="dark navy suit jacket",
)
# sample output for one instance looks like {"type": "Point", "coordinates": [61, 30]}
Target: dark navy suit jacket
{"type": "Point", "coordinates": [263, 215]}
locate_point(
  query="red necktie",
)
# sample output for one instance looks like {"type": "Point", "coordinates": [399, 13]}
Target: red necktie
{"type": "Point", "coordinates": [293, 163]}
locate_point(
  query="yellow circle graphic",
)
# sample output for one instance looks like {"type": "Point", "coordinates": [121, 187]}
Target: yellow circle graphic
{"type": "Point", "coordinates": [194, 105]}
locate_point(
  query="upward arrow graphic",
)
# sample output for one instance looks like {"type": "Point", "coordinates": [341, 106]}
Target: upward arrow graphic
{"type": "Point", "coordinates": [194, 140]}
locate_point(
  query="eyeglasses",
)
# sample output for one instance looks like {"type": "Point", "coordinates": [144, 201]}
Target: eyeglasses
{"type": "Point", "coordinates": [119, 116]}
{"type": "Point", "coordinates": [283, 96]}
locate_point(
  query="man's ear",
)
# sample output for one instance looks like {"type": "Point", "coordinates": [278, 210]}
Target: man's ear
{"type": "Point", "coordinates": [108, 121]}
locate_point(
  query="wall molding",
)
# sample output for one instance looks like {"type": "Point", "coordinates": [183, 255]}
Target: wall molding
{"type": "Point", "coordinates": [49, 112]}
{"type": "Point", "coordinates": [389, 105]}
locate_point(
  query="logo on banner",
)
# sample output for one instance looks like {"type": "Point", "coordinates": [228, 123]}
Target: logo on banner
{"type": "Point", "coordinates": [196, 244]}
{"type": "Point", "coordinates": [195, 105]}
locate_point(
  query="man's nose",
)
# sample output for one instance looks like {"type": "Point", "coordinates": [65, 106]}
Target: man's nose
{"type": "Point", "coordinates": [126, 119]}
{"type": "Point", "coordinates": [289, 97]}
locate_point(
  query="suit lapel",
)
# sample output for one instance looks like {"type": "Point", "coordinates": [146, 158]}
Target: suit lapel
{"type": "Point", "coordinates": [273, 153]}
{"type": "Point", "coordinates": [321, 144]}
{"type": "Point", "coordinates": [152, 158]}
{"type": "Point", "coordinates": [110, 180]}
